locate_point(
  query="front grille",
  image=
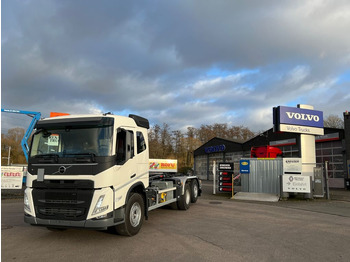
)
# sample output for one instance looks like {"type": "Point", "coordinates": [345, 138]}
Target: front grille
{"type": "Point", "coordinates": [62, 204]}
{"type": "Point", "coordinates": [73, 213]}
{"type": "Point", "coordinates": [58, 201]}
{"type": "Point", "coordinates": [64, 184]}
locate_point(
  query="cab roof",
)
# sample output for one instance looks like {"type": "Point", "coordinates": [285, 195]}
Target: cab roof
{"type": "Point", "coordinates": [91, 120]}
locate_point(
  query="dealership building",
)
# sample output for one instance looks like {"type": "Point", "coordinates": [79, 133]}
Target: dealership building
{"type": "Point", "coordinates": [332, 146]}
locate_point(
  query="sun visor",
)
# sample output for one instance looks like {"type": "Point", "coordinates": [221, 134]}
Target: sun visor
{"type": "Point", "coordinates": [140, 121]}
{"type": "Point", "coordinates": [74, 122]}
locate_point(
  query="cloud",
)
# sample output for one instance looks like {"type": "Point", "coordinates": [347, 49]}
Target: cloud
{"type": "Point", "coordinates": [297, 75]}
{"type": "Point", "coordinates": [180, 62]}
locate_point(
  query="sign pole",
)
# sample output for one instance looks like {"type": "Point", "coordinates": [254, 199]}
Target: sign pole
{"type": "Point", "coordinates": [233, 192]}
{"type": "Point", "coordinates": [214, 178]}
{"type": "Point", "coordinates": [327, 181]}
{"type": "Point", "coordinates": [8, 156]}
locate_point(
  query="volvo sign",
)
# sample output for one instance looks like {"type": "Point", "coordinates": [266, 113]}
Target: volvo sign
{"type": "Point", "coordinates": [300, 116]}
{"type": "Point", "coordinates": [298, 120]}
{"type": "Point", "coordinates": [215, 149]}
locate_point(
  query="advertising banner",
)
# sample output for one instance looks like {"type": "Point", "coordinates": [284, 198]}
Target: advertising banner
{"type": "Point", "coordinates": [292, 166]}
{"type": "Point", "coordinates": [11, 177]}
{"type": "Point", "coordinates": [226, 166]}
{"type": "Point", "coordinates": [244, 166]}
{"type": "Point", "coordinates": [296, 184]}
{"type": "Point", "coordinates": [163, 165]}
{"type": "Point", "coordinates": [225, 181]}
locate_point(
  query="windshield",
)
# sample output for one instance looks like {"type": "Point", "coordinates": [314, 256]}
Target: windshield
{"type": "Point", "coordinates": [69, 142]}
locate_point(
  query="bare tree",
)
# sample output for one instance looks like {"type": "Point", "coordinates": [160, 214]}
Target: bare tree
{"type": "Point", "coordinates": [333, 121]}
{"type": "Point", "coordinates": [165, 143]}
{"type": "Point", "coordinates": [13, 139]}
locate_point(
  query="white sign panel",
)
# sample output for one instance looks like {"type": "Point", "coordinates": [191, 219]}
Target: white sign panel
{"type": "Point", "coordinates": [296, 184]}
{"type": "Point", "coordinates": [11, 177]}
{"type": "Point", "coordinates": [302, 129]}
{"type": "Point", "coordinates": [53, 140]}
{"type": "Point", "coordinates": [292, 165]}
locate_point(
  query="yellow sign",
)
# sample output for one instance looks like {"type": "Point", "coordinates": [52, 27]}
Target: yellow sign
{"type": "Point", "coordinates": [163, 165]}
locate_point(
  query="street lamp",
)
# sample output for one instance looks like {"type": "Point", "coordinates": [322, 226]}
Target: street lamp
{"type": "Point", "coordinates": [8, 156]}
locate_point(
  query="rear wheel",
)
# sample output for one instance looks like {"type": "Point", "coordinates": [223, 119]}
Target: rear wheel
{"type": "Point", "coordinates": [134, 216]}
{"type": "Point", "coordinates": [194, 191]}
{"type": "Point", "coordinates": [184, 201]}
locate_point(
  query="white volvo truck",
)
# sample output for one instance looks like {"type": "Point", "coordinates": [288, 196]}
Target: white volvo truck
{"type": "Point", "coordinates": [92, 171]}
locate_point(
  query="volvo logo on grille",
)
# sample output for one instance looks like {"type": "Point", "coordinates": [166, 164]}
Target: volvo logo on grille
{"type": "Point", "coordinates": [62, 169]}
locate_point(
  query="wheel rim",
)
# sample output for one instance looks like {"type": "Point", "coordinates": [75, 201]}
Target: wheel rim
{"type": "Point", "coordinates": [188, 197]}
{"type": "Point", "coordinates": [195, 190]}
{"type": "Point", "coordinates": [135, 214]}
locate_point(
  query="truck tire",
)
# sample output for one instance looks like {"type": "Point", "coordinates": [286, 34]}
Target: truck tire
{"type": "Point", "coordinates": [134, 216]}
{"type": "Point", "coordinates": [184, 201]}
{"type": "Point", "coordinates": [194, 191]}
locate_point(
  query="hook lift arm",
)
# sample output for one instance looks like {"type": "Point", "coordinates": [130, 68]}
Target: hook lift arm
{"type": "Point", "coordinates": [35, 118]}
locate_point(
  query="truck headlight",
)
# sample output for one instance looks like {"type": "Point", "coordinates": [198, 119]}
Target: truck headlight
{"type": "Point", "coordinates": [26, 204]}
{"type": "Point", "coordinates": [99, 208]}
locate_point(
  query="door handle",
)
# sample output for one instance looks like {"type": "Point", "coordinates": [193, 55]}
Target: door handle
{"type": "Point", "coordinates": [133, 176]}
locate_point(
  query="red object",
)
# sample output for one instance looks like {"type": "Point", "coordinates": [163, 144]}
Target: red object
{"type": "Point", "coordinates": [236, 177]}
{"type": "Point", "coordinates": [265, 152]}
{"type": "Point", "coordinates": [226, 189]}
{"type": "Point", "coordinates": [225, 178]}
{"type": "Point", "coordinates": [54, 114]}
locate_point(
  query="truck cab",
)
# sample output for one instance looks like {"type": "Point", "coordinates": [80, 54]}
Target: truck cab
{"type": "Point", "coordinates": [92, 171]}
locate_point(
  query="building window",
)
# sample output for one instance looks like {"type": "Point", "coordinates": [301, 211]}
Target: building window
{"type": "Point", "coordinates": [332, 152]}
{"type": "Point", "coordinates": [290, 151]}
{"type": "Point", "coordinates": [201, 166]}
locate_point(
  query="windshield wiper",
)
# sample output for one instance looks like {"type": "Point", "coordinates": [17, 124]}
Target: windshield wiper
{"type": "Point", "coordinates": [48, 156]}
{"type": "Point", "coordinates": [80, 156]}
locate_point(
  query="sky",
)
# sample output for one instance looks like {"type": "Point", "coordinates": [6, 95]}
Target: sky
{"type": "Point", "coordinates": [184, 63]}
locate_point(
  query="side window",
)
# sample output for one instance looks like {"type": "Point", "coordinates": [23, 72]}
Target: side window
{"type": "Point", "coordinates": [125, 145]}
{"type": "Point", "coordinates": [141, 143]}
{"type": "Point", "coordinates": [121, 146]}
{"type": "Point", "coordinates": [130, 144]}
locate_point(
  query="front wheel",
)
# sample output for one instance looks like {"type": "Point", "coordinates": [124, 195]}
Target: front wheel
{"type": "Point", "coordinates": [134, 216]}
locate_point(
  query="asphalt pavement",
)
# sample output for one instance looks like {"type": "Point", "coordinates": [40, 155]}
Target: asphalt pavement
{"type": "Point", "coordinates": [216, 228]}
{"type": "Point", "coordinates": [339, 203]}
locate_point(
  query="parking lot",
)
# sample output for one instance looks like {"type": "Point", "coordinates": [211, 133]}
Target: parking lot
{"type": "Point", "coordinates": [216, 228]}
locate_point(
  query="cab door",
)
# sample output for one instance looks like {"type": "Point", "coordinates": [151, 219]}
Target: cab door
{"type": "Point", "coordinates": [126, 174]}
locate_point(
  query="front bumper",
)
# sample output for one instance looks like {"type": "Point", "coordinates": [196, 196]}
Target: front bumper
{"type": "Point", "coordinates": [100, 224]}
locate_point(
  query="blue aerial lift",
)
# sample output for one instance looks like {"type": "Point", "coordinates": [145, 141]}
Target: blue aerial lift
{"type": "Point", "coordinates": [35, 118]}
